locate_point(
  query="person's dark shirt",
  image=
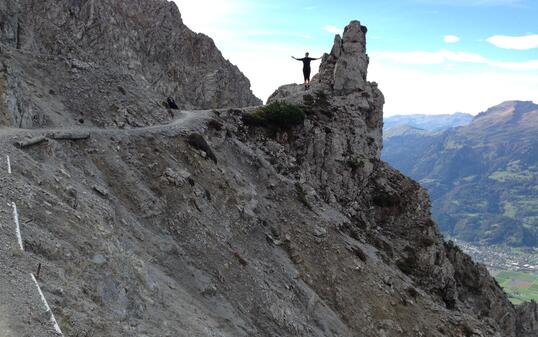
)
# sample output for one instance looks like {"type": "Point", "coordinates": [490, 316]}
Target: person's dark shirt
{"type": "Point", "coordinates": [172, 104]}
{"type": "Point", "coordinates": [306, 62]}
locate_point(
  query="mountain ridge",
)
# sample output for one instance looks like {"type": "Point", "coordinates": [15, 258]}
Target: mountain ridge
{"type": "Point", "coordinates": [493, 159]}
{"type": "Point", "coordinates": [429, 122]}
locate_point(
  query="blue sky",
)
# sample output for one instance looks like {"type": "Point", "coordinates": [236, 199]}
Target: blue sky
{"type": "Point", "coordinates": [428, 56]}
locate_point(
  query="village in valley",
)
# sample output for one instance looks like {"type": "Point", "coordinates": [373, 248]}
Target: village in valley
{"type": "Point", "coordinates": [502, 258]}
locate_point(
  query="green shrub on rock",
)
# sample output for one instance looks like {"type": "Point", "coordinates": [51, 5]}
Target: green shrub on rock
{"type": "Point", "coordinates": [276, 114]}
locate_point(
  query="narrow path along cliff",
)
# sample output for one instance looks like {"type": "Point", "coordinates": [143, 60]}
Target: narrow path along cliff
{"type": "Point", "coordinates": [185, 121]}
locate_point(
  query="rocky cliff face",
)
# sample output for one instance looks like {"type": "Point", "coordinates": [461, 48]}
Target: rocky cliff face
{"type": "Point", "coordinates": [209, 227]}
{"type": "Point", "coordinates": [412, 241]}
{"type": "Point", "coordinates": [115, 50]}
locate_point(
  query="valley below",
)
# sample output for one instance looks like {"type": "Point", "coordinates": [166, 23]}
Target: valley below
{"type": "Point", "coordinates": [515, 269]}
{"type": "Point", "coordinates": [481, 176]}
{"type": "Point", "coordinates": [499, 257]}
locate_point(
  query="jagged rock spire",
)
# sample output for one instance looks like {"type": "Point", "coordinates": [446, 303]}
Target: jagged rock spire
{"type": "Point", "coordinates": [342, 78]}
{"type": "Point", "coordinates": [346, 67]}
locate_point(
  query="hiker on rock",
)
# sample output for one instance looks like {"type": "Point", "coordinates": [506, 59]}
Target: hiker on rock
{"type": "Point", "coordinates": [306, 68]}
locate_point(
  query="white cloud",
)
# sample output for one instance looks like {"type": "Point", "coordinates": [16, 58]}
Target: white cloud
{"type": "Point", "coordinates": [209, 16]}
{"type": "Point", "coordinates": [333, 29]}
{"type": "Point", "coordinates": [445, 56]}
{"type": "Point", "coordinates": [409, 91]}
{"type": "Point", "coordinates": [274, 32]}
{"type": "Point", "coordinates": [429, 58]}
{"type": "Point", "coordinates": [514, 42]}
{"type": "Point", "coordinates": [525, 65]}
{"type": "Point", "coordinates": [451, 39]}
{"type": "Point", "coordinates": [517, 3]}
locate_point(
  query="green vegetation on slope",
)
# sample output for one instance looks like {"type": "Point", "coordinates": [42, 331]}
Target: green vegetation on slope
{"type": "Point", "coordinates": [520, 287]}
{"type": "Point", "coordinates": [482, 177]}
{"type": "Point", "coordinates": [276, 114]}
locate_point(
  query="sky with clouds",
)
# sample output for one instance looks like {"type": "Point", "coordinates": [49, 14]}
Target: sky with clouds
{"type": "Point", "coordinates": [428, 56]}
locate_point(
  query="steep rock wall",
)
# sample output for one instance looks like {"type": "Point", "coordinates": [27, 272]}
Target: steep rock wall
{"type": "Point", "coordinates": [140, 46]}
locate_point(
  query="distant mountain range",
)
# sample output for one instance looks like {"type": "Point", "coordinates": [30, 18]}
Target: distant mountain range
{"type": "Point", "coordinates": [429, 122]}
{"type": "Point", "coordinates": [482, 177]}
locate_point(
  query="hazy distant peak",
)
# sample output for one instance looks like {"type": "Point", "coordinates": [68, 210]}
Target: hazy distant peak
{"type": "Point", "coordinates": [429, 122]}
{"type": "Point", "coordinates": [508, 111]}
{"type": "Point", "coordinates": [405, 130]}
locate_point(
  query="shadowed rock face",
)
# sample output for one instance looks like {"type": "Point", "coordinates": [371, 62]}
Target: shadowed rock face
{"type": "Point", "coordinates": [137, 45]}
{"type": "Point", "coordinates": [9, 22]}
{"type": "Point", "coordinates": [209, 227]}
{"type": "Point", "coordinates": [528, 319]}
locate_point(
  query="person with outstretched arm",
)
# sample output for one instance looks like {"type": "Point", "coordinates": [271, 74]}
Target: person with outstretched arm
{"type": "Point", "coordinates": [306, 68]}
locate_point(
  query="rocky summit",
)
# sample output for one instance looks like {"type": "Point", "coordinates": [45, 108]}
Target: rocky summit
{"type": "Point", "coordinates": [150, 222]}
{"type": "Point", "coordinates": [342, 76]}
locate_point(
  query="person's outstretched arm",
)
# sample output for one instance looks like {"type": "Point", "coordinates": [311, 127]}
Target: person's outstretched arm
{"type": "Point", "coordinates": [293, 57]}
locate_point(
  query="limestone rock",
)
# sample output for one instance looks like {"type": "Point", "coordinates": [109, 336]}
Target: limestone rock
{"type": "Point", "coordinates": [87, 49]}
{"type": "Point", "coordinates": [342, 78]}
{"type": "Point", "coordinates": [527, 319]}
{"type": "Point", "coordinates": [9, 29]}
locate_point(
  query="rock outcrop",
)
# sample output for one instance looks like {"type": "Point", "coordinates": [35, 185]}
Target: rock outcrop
{"type": "Point", "coordinates": [105, 48]}
{"type": "Point", "coordinates": [527, 324]}
{"type": "Point", "coordinates": [342, 79]}
{"type": "Point", "coordinates": [9, 27]}
{"type": "Point", "coordinates": [347, 62]}
{"type": "Point", "coordinates": [206, 226]}
{"type": "Point", "coordinates": [338, 151]}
